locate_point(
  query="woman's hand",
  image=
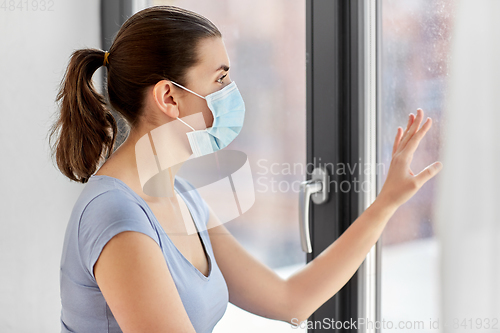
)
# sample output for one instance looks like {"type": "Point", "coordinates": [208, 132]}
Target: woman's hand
{"type": "Point", "coordinates": [401, 183]}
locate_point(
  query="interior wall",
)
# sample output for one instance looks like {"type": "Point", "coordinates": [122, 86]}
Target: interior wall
{"type": "Point", "coordinates": [36, 199]}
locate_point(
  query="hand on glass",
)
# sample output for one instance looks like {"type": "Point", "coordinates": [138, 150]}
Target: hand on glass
{"type": "Point", "coordinates": [401, 183]}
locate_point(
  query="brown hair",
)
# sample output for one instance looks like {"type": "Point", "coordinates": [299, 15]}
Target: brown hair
{"type": "Point", "coordinates": [154, 44]}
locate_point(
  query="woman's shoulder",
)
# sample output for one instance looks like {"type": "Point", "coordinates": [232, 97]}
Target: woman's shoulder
{"type": "Point", "coordinates": [107, 208]}
{"type": "Point", "coordinates": [106, 199]}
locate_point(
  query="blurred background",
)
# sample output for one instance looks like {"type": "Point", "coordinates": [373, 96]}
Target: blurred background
{"type": "Point", "coordinates": [441, 252]}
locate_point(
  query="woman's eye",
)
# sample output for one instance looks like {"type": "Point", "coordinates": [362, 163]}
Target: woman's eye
{"type": "Point", "coordinates": [221, 78]}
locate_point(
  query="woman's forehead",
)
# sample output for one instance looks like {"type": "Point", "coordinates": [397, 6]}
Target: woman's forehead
{"type": "Point", "coordinates": [212, 56]}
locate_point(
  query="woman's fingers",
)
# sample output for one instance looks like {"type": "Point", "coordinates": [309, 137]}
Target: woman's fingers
{"type": "Point", "coordinates": [415, 140]}
{"type": "Point", "coordinates": [411, 118]}
{"type": "Point", "coordinates": [413, 129]}
{"type": "Point", "coordinates": [401, 183]}
{"type": "Point", "coordinates": [399, 134]}
{"type": "Point", "coordinates": [428, 173]}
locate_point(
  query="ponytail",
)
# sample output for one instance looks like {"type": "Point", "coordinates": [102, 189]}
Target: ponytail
{"type": "Point", "coordinates": [85, 127]}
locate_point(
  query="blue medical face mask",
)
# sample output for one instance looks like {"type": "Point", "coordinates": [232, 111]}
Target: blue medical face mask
{"type": "Point", "coordinates": [228, 109]}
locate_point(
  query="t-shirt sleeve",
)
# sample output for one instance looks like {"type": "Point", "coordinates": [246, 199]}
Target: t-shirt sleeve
{"type": "Point", "coordinates": [105, 216]}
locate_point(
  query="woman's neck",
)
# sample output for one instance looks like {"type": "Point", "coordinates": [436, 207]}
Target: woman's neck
{"type": "Point", "coordinates": [148, 161]}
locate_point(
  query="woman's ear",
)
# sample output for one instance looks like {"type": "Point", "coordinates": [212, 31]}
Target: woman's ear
{"type": "Point", "coordinates": [165, 100]}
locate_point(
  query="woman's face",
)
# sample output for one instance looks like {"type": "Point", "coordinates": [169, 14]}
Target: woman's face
{"type": "Point", "coordinates": [208, 76]}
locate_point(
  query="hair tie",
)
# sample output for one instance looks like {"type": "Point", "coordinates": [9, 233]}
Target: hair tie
{"type": "Point", "coordinates": [106, 54]}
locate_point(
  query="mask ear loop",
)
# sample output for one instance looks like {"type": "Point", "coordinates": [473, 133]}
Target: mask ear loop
{"type": "Point", "coordinates": [187, 89]}
{"type": "Point", "coordinates": [182, 121]}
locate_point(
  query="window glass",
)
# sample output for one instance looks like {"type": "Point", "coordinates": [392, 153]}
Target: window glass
{"type": "Point", "coordinates": [416, 40]}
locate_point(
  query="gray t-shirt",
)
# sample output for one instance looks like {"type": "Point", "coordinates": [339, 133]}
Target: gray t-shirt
{"type": "Point", "coordinates": [106, 207]}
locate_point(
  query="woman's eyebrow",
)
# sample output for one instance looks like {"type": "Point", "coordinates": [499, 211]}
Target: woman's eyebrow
{"type": "Point", "coordinates": [224, 67]}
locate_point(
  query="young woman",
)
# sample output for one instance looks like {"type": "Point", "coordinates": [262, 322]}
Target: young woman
{"type": "Point", "coordinates": [126, 264]}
